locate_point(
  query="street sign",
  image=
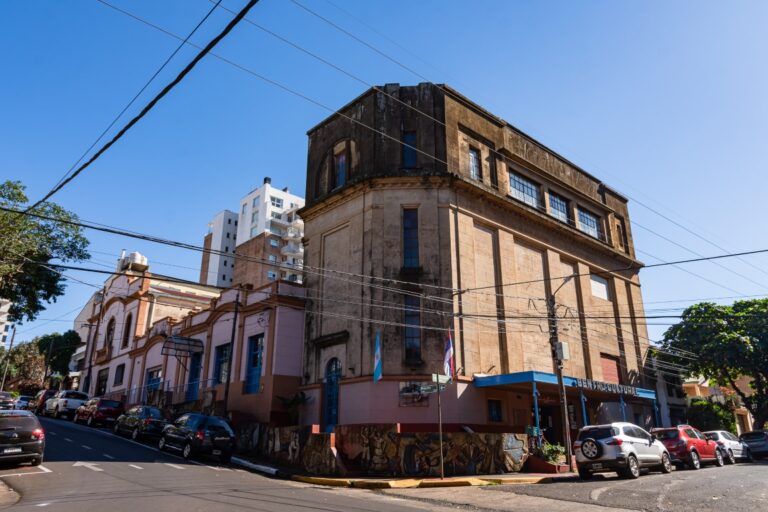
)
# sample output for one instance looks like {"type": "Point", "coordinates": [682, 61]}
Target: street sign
{"type": "Point", "coordinates": [442, 379]}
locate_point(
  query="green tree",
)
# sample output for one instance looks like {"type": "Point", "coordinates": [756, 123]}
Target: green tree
{"type": "Point", "coordinates": [27, 244]}
{"type": "Point", "coordinates": [28, 365]}
{"type": "Point", "coordinates": [57, 349]}
{"type": "Point", "coordinates": [708, 415]}
{"type": "Point", "coordinates": [723, 343]}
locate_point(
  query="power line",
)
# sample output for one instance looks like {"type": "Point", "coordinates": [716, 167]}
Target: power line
{"type": "Point", "coordinates": [151, 104]}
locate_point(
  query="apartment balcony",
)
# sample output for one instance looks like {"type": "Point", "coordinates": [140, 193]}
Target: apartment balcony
{"type": "Point", "coordinates": [293, 249]}
{"type": "Point", "coordinates": [103, 355]}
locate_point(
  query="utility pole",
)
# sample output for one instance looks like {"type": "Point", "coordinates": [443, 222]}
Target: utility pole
{"type": "Point", "coordinates": [47, 361]}
{"type": "Point", "coordinates": [229, 356]}
{"type": "Point", "coordinates": [8, 359]}
{"type": "Point", "coordinates": [557, 357]}
{"type": "Point", "coordinates": [86, 382]}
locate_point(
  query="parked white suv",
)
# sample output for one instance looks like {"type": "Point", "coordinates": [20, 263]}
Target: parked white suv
{"type": "Point", "coordinates": [64, 403]}
{"type": "Point", "coordinates": [621, 447]}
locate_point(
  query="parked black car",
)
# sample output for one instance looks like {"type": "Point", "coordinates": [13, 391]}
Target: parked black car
{"type": "Point", "coordinates": [21, 437]}
{"type": "Point", "coordinates": [197, 434]}
{"type": "Point", "coordinates": [141, 421]}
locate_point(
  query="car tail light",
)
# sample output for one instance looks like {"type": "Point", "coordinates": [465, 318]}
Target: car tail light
{"type": "Point", "coordinates": [38, 434]}
{"type": "Point", "coordinates": [576, 445]}
{"type": "Point", "coordinates": [147, 421]}
{"type": "Point", "coordinates": [615, 442]}
{"type": "Point", "coordinates": [200, 435]}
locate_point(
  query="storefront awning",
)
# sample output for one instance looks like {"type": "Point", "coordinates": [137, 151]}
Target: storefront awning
{"type": "Point", "coordinates": [507, 379]}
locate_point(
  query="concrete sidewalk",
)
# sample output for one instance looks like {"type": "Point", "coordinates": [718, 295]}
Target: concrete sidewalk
{"type": "Point", "coordinates": [407, 483]}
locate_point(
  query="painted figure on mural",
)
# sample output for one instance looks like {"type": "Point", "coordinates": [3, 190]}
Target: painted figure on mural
{"type": "Point", "coordinates": [293, 447]}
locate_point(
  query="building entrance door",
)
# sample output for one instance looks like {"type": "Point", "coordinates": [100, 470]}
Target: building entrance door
{"type": "Point", "coordinates": [193, 383]}
{"type": "Point", "coordinates": [331, 394]}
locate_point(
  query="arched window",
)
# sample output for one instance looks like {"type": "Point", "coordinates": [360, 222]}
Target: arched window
{"type": "Point", "coordinates": [338, 167]}
{"type": "Point", "coordinates": [110, 333]}
{"type": "Point", "coordinates": [127, 331]}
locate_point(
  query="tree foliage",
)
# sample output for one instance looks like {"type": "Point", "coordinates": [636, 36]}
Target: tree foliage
{"type": "Point", "coordinates": [26, 364]}
{"type": "Point", "coordinates": [57, 349]}
{"type": "Point", "coordinates": [709, 415]}
{"type": "Point", "coordinates": [26, 244]}
{"type": "Point", "coordinates": [723, 343]}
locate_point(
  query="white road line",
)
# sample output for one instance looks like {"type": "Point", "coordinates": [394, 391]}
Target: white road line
{"type": "Point", "coordinates": [86, 447]}
{"type": "Point", "coordinates": [108, 456]}
{"type": "Point", "coordinates": [217, 468]}
{"type": "Point", "coordinates": [53, 433]}
{"type": "Point", "coordinates": [45, 469]}
{"type": "Point", "coordinates": [174, 466]}
{"type": "Point", "coordinates": [135, 466]}
{"type": "Point", "coordinates": [67, 439]}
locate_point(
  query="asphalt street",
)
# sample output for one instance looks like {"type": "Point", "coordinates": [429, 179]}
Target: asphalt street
{"type": "Point", "coordinates": [93, 470]}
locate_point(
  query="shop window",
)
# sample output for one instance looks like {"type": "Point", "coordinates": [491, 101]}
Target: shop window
{"type": "Point", "coordinates": [494, 411]}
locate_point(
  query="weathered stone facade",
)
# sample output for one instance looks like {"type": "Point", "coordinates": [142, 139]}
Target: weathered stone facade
{"type": "Point", "coordinates": [487, 258]}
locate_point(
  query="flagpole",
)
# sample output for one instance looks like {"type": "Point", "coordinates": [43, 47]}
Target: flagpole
{"type": "Point", "coordinates": [440, 428]}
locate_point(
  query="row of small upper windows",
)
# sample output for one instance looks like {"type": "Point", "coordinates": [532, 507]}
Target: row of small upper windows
{"type": "Point", "coordinates": [276, 202]}
{"type": "Point", "coordinates": [229, 221]}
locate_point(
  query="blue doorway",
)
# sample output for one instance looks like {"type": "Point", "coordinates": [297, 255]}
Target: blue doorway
{"type": "Point", "coordinates": [254, 362]}
{"type": "Point", "coordinates": [193, 383]}
{"type": "Point", "coordinates": [331, 394]}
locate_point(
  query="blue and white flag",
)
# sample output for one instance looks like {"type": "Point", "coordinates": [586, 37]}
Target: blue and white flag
{"type": "Point", "coordinates": [448, 365]}
{"type": "Point", "coordinates": [377, 358]}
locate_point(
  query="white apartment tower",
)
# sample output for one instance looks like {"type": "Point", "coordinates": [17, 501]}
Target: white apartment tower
{"type": "Point", "coordinates": [272, 211]}
{"type": "Point", "coordinates": [218, 269]}
{"type": "Point", "coordinates": [5, 325]}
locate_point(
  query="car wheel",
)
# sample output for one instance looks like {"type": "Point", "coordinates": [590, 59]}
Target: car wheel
{"type": "Point", "coordinates": [666, 465]}
{"type": "Point", "coordinates": [74, 418]}
{"type": "Point", "coordinates": [135, 434]}
{"type": "Point", "coordinates": [57, 413]}
{"type": "Point", "coordinates": [748, 455]}
{"type": "Point", "coordinates": [695, 462]}
{"type": "Point", "coordinates": [186, 452]}
{"type": "Point", "coordinates": [585, 474]}
{"type": "Point", "coordinates": [731, 459]}
{"type": "Point", "coordinates": [591, 449]}
{"type": "Point", "coordinates": [116, 429]}
{"type": "Point", "coordinates": [719, 459]}
{"type": "Point", "coordinates": [161, 443]}
{"type": "Point", "coordinates": [633, 468]}
{"type": "Point", "coordinates": [37, 461]}
{"type": "Point", "coordinates": [89, 421]}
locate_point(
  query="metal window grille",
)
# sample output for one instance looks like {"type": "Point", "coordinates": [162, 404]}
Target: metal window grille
{"type": "Point", "coordinates": [524, 190]}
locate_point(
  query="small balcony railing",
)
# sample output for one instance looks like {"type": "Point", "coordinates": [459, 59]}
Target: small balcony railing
{"type": "Point", "coordinates": [103, 355]}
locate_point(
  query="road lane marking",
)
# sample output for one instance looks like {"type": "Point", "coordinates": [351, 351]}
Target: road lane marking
{"type": "Point", "coordinates": [174, 466]}
{"type": "Point", "coordinates": [215, 468]}
{"type": "Point", "coordinates": [108, 456]}
{"type": "Point", "coordinates": [86, 447]}
{"type": "Point", "coordinates": [45, 469]}
{"type": "Point", "coordinates": [67, 439]}
{"type": "Point", "coordinates": [135, 466]}
{"type": "Point", "coordinates": [89, 465]}
{"type": "Point", "coordinates": [53, 433]}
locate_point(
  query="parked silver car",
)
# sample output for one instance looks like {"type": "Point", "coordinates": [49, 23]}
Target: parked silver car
{"type": "Point", "coordinates": [732, 446]}
{"type": "Point", "coordinates": [621, 447]}
{"type": "Point", "coordinates": [757, 442]}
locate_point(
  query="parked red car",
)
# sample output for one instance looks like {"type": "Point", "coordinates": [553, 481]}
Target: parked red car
{"type": "Point", "coordinates": [37, 404]}
{"type": "Point", "coordinates": [98, 411]}
{"type": "Point", "coordinates": [687, 446]}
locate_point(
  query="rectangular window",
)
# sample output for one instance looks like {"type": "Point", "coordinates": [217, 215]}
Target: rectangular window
{"type": "Point", "coordinates": [589, 223]}
{"type": "Point", "coordinates": [599, 287]}
{"type": "Point", "coordinates": [255, 202]}
{"type": "Point", "coordinates": [119, 374]}
{"type": "Point", "coordinates": [524, 190]}
{"type": "Point", "coordinates": [254, 216]}
{"type": "Point", "coordinates": [101, 381]}
{"type": "Point", "coordinates": [610, 366]}
{"type": "Point", "coordinates": [277, 215]}
{"type": "Point", "coordinates": [254, 363]}
{"type": "Point", "coordinates": [475, 166]}
{"type": "Point", "coordinates": [409, 149]}
{"type": "Point", "coordinates": [412, 321]}
{"type": "Point", "coordinates": [410, 238]}
{"type": "Point", "coordinates": [276, 201]}
{"type": "Point", "coordinates": [273, 242]}
{"type": "Point", "coordinates": [245, 205]}
{"type": "Point", "coordinates": [254, 231]}
{"type": "Point", "coordinates": [558, 207]}
{"type": "Point", "coordinates": [271, 275]}
{"type": "Point", "coordinates": [339, 169]}
{"type": "Point", "coordinates": [494, 411]}
{"type": "Point", "coordinates": [221, 364]}
{"type": "Point", "coordinates": [272, 258]}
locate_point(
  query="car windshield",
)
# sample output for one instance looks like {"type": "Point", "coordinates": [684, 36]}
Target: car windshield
{"type": "Point", "coordinates": [666, 434]}
{"type": "Point", "coordinates": [753, 436]}
{"type": "Point", "coordinates": [18, 421]}
{"type": "Point", "coordinates": [218, 425]}
{"type": "Point", "coordinates": [154, 413]}
{"type": "Point", "coordinates": [598, 432]}
{"type": "Point", "coordinates": [110, 403]}
{"type": "Point", "coordinates": [712, 435]}
{"type": "Point", "coordinates": [75, 395]}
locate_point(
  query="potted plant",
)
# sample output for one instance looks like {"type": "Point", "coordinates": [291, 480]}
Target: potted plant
{"type": "Point", "coordinates": [549, 458]}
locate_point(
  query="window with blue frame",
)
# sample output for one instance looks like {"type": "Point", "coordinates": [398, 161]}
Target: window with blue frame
{"type": "Point", "coordinates": [254, 362]}
{"type": "Point", "coordinates": [589, 223]}
{"type": "Point", "coordinates": [221, 364]}
{"type": "Point", "coordinates": [408, 146]}
{"type": "Point", "coordinates": [412, 321]}
{"type": "Point", "coordinates": [410, 238]}
{"type": "Point", "coordinates": [475, 166]}
{"type": "Point", "coordinates": [558, 207]}
{"type": "Point", "coordinates": [339, 169]}
{"type": "Point", "coordinates": [524, 190]}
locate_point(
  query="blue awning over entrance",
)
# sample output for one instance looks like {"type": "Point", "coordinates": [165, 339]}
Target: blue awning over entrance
{"type": "Point", "coordinates": [572, 382]}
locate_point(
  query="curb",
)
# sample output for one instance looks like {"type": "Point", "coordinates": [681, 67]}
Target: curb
{"type": "Point", "coordinates": [331, 482]}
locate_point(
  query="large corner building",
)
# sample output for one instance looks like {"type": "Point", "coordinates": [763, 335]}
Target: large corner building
{"type": "Point", "coordinates": [444, 218]}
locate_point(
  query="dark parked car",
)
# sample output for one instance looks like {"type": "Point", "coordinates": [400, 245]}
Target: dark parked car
{"type": "Point", "coordinates": [37, 404]}
{"type": "Point", "coordinates": [21, 437]}
{"type": "Point", "coordinates": [98, 411]}
{"type": "Point", "coordinates": [6, 400]}
{"type": "Point", "coordinates": [757, 442]}
{"type": "Point", "coordinates": [197, 434]}
{"type": "Point", "coordinates": [141, 421]}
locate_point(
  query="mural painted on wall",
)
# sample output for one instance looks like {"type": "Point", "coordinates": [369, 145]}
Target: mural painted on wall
{"type": "Point", "coordinates": [380, 450]}
{"type": "Point", "coordinates": [410, 395]}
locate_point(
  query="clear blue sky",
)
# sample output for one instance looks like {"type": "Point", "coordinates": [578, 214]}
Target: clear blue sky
{"type": "Point", "coordinates": [664, 101]}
